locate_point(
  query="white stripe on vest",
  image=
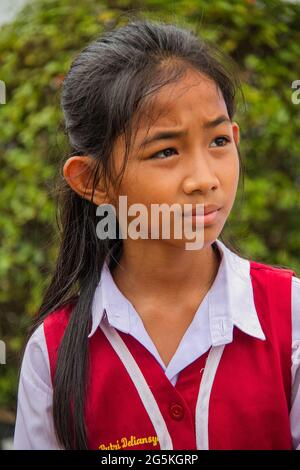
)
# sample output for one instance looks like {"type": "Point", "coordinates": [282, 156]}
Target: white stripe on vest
{"type": "Point", "coordinates": [202, 405]}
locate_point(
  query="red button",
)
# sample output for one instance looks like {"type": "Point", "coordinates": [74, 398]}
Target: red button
{"type": "Point", "coordinates": [176, 411]}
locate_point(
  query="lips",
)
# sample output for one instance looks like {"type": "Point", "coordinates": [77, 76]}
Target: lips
{"type": "Point", "coordinates": [208, 209]}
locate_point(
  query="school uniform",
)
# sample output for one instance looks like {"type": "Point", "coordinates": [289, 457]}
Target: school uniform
{"type": "Point", "coordinates": [233, 382]}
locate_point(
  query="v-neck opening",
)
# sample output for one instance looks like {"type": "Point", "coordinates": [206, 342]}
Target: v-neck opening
{"type": "Point", "coordinates": [157, 374]}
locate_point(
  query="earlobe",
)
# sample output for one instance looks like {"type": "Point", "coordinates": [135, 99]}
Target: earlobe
{"type": "Point", "coordinates": [79, 173]}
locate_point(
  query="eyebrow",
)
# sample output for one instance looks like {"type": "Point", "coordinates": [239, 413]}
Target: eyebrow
{"type": "Point", "coordinates": [163, 135]}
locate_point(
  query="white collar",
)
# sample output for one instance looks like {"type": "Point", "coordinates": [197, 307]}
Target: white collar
{"type": "Point", "coordinates": [232, 283]}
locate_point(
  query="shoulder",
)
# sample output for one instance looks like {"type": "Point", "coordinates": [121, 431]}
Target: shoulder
{"type": "Point", "coordinates": [280, 270]}
{"type": "Point", "coordinates": [296, 291]}
{"type": "Point", "coordinates": [35, 363]}
{"type": "Point", "coordinates": [34, 424]}
{"type": "Point", "coordinates": [56, 321]}
{"type": "Point", "coordinates": [296, 310]}
{"type": "Point", "coordinates": [61, 314]}
{"type": "Point", "coordinates": [282, 288]}
{"type": "Point", "coordinates": [296, 282]}
{"type": "Point", "coordinates": [276, 280]}
{"type": "Point", "coordinates": [54, 326]}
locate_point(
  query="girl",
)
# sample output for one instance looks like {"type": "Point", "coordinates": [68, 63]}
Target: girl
{"type": "Point", "coordinates": [141, 343]}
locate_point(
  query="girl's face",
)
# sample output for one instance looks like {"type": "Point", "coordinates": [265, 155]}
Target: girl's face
{"type": "Point", "coordinates": [201, 166]}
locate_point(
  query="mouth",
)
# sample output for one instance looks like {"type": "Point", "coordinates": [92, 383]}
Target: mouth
{"type": "Point", "coordinates": [207, 218]}
{"type": "Point", "coordinates": [202, 211]}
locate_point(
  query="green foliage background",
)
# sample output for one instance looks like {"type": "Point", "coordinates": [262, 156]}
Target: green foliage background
{"type": "Point", "coordinates": [36, 50]}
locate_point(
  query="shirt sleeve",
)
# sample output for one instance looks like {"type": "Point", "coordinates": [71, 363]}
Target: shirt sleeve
{"type": "Point", "coordinates": [34, 429]}
{"type": "Point", "coordinates": [295, 402]}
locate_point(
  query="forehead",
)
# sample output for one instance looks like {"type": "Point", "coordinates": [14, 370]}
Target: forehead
{"type": "Point", "coordinates": [193, 98]}
{"type": "Point", "coordinates": [194, 95]}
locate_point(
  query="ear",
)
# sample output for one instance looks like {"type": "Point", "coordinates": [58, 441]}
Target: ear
{"type": "Point", "coordinates": [236, 132]}
{"type": "Point", "coordinates": [79, 174]}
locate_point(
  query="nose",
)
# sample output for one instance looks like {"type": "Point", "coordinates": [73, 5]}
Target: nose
{"type": "Point", "coordinates": [201, 176]}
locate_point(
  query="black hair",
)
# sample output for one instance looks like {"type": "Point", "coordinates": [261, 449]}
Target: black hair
{"type": "Point", "coordinates": [109, 82]}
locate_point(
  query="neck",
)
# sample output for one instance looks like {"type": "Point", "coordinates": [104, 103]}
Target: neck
{"type": "Point", "coordinates": [164, 271]}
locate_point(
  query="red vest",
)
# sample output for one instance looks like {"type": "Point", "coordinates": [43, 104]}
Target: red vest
{"type": "Point", "coordinates": [249, 402]}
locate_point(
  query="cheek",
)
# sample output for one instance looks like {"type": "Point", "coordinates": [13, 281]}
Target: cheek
{"type": "Point", "coordinates": [230, 179]}
{"type": "Point", "coordinates": [139, 192]}
{"type": "Point", "coordinates": [145, 187]}
{"type": "Point", "coordinates": [229, 171]}
{"type": "Point", "coordinates": [236, 172]}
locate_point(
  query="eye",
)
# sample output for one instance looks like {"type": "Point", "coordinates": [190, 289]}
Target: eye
{"type": "Point", "coordinates": [221, 140]}
{"type": "Point", "coordinates": [155, 155]}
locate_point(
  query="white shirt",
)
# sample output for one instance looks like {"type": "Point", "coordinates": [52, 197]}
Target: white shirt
{"type": "Point", "coordinates": [228, 304]}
